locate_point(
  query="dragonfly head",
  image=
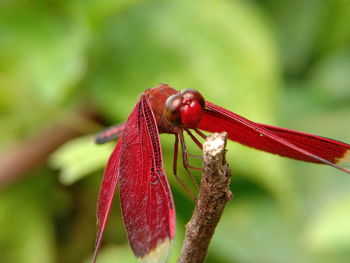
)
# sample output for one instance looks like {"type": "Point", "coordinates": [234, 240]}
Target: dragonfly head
{"type": "Point", "coordinates": [184, 108]}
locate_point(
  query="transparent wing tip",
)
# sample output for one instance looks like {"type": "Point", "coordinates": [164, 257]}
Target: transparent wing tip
{"type": "Point", "coordinates": [159, 254]}
{"type": "Point", "coordinates": [345, 159]}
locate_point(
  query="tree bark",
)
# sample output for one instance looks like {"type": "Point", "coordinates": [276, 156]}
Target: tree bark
{"type": "Point", "coordinates": [214, 193]}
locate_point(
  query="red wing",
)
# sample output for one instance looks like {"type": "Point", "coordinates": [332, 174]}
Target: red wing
{"type": "Point", "coordinates": [288, 143]}
{"type": "Point", "coordinates": [110, 134]}
{"type": "Point", "coordinates": [145, 195]}
{"type": "Point", "coordinates": [105, 198]}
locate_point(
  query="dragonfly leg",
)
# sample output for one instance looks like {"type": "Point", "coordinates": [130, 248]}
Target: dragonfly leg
{"type": "Point", "coordinates": [192, 155]}
{"type": "Point", "coordinates": [195, 156]}
{"type": "Point", "coordinates": [176, 148]}
{"type": "Point", "coordinates": [194, 139]}
{"type": "Point", "coordinates": [185, 160]}
{"type": "Point", "coordinates": [200, 133]}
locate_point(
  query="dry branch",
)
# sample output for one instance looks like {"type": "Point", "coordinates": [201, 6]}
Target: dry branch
{"type": "Point", "coordinates": [214, 193]}
{"type": "Point", "coordinates": [28, 154]}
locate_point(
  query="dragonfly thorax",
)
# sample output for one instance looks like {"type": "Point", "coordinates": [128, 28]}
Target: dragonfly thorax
{"type": "Point", "coordinates": [184, 108]}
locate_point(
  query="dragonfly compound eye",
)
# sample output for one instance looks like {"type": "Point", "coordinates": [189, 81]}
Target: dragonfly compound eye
{"type": "Point", "coordinates": [172, 109]}
{"type": "Point", "coordinates": [189, 95]}
{"type": "Point", "coordinates": [191, 107]}
{"type": "Point", "coordinates": [184, 108]}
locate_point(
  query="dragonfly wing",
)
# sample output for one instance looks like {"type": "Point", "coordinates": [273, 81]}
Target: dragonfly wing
{"type": "Point", "coordinates": [332, 150]}
{"type": "Point", "coordinates": [288, 143]}
{"type": "Point", "coordinates": [110, 134]}
{"type": "Point", "coordinates": [145, 196]}
{"type": "Point", "coordinates": [105, 198]}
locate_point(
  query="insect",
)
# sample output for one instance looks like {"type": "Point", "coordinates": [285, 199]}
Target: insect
{"type": "Point", "coordinates": [136, 162]}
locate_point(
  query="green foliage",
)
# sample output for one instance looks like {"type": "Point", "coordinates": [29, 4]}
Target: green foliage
{"type": "Point", "coordinates": [78, 158]}
{"type": "Point", "coordinates": [26, 229]}
{"type": "Point", "coordinates": [279, 62]}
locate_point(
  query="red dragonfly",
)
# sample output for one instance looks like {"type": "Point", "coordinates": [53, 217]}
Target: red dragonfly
{"type": "Point", "coordinates": [136, 162]}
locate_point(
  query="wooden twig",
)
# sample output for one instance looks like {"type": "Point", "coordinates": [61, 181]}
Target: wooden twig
{"type": "Point", "coordinates": [214, 193]}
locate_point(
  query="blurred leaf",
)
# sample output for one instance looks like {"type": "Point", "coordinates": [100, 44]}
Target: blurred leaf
{"type": "Point", "coordinates": [112, 254]}
{"type": "Point", "coordinates": [80, 157]}
{"type": "Point", "coordinates": [98, 10]}
{"type": "Point", "coordinates": [255, 229]}
{"type": "Point", "coordinates": [26, 228]}
{"type": "Point", "coordinates": [330, 78]}
{"type": "Point", "coordinates": [41, 60]}
{"type": "Point", "coordinates": [298, 23]}
{"type": "Point", "coordinates": [48, 53]}
{"type": "Point", "coordinates": [176, 247]}
{"type": "Point", "coordinates": [328, 229]}
{"type": "Point", "coordinates": [335, 33]}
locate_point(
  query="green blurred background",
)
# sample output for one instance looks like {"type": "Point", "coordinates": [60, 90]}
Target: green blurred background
{"type": "Point", "coordinates": [68, 68]}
